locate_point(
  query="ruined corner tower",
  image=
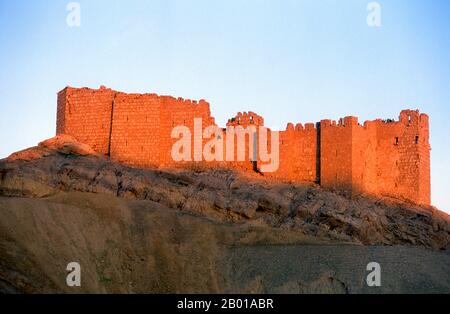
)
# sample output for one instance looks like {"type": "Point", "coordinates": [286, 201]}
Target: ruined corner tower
{"type": "Point", "coordinates": [390, 158]}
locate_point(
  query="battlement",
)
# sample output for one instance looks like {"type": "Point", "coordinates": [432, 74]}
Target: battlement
{"type": "Point", "coordinates": [343, 122]}
{"type": "Point", "coordinates": [379, 157]}
{"type": "Point", "coordinates": [300, 127]}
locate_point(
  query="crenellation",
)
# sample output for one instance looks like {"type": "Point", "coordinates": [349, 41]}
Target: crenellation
{"type": "Point", "coordinates": [290, 127]}
{"type": "Point", "coordinates": [299, 127]}
{"type": "Point", "coordinates": [350, 121]}
{"type": "Point", "coordinates": [310, 126]}
{"type": "Point", "coordinates": [378, 157]}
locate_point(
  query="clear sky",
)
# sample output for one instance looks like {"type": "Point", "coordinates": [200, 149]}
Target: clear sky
{"type": "Point", "coordinates": [289, 61]}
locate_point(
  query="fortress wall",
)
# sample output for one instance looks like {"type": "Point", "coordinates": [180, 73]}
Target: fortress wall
{"type": "Point", "coordinates": [61, 112]}
{"type": "Point", "coordinates": [298, 154]}
{"type": "Point", "coordinates": [424, 149]}
{"type": "Point", "coordinates": [242, 165]}
{"type": "Point", "coordinates": [143, 124]}
{"type": "Point", "coordinates": [306, 166]}
{"type": "Point", "coordinates": [403, 157]}
{"type": "Point", "coordinates": [86, 114]}
{"type": "Point", "coordinates": [390, 158]}
{"type": "Point", "coordinates": [181, 112]}
{"type": "Point", "coordinates": [389, 165]}
{"type": "Point", "coordinates": [135, 130]}
{"type": "Point", "coordinates": [297, 151]}
{"type": "Point", "coordinates": [336, 155]}
{"type": "Point", "coordinates": [249, 122]}
{"type": "Point", "coordinates": [289, 147]}
{"type": "Point", "coordinates": [364, 156]}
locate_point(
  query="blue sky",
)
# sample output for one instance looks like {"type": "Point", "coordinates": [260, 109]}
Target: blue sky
{"type": "Point", "coordinates": [290, 61]}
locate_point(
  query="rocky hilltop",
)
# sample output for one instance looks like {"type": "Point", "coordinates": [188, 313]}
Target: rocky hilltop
{"type": "Point", "coordinates": [202, 230]}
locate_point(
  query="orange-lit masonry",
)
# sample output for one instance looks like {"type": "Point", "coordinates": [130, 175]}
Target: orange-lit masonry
{"type": "Point", "coordinates": [381, 158]}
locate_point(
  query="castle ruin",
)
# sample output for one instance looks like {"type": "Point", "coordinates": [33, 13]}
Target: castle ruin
{"type": "Point", "coordinates": [380, 158]}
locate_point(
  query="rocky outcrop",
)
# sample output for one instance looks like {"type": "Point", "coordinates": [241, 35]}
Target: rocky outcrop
{"type": "Point", "coordinates": [64, 144]}
{"type": "Point", "coordinates": [228, 196]}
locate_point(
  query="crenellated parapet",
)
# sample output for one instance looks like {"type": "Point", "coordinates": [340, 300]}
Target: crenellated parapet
{"type": "Point", "coordinates": [379, 157]}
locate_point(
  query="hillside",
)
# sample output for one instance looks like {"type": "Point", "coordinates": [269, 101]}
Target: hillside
{"type": "Point", "coordinates": [202, 230]}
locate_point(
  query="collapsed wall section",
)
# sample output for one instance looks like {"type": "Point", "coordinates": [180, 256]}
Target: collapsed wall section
{"type": "Point", "coordinates": [241, 139]}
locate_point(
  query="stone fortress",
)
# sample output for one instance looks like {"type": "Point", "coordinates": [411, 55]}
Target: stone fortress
{"type": "Point", "coordinates": [379, 158]}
